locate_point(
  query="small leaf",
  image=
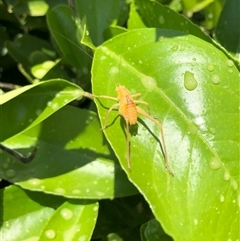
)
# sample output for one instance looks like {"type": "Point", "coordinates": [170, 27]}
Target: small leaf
{"type": "Point", "coordinates": [33, 103]}
{"type": "Point", "coordinates": [74, 220]}
{"type": "Point", "coordinates": [153, 14]}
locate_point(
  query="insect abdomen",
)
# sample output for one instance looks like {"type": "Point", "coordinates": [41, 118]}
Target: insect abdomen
{"type": "Point", "coordinates": [131, 112]}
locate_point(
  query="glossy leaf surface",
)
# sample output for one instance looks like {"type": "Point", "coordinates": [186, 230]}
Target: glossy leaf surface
{"type": "Point", "coordinates": [37, 219]}
{"type": "Point", "coordinates": [33, 103]}
{"type": "Point", "coordinates": [74, 220]}
{"type": "Point", "coordinates": [186, 82]}
{"type": "Point", "coordinates": [73, 159]}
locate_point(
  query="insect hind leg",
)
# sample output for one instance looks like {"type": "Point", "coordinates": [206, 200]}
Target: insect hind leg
{"type": "Point", "coordinates": [145, 114]}
{"type": "Point", "coordinates": [115, 106]}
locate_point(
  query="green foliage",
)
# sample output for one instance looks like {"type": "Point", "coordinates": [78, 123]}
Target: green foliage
{"type": "Point", "coordinates": [191, 83]}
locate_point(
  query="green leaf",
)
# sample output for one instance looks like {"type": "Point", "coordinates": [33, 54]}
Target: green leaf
{"type": "Point", "coordinates": [12, 196]}
{"type": "Point", "coordinates": [68, 37]}
{"type": "Point", "coordinates": [96, 16]}
{"type": "Point", "coordinates": [195, 5]}
{"type": "Point", "coordinates": [74, 220]}
{"type": "Point", "coordinates": [201, 129]}
{"type": "Point", "coordinates": [23, 217]}
{"type": "Point", "coordinates": [73, 159]}
{"type": "Point", "coordinates": [227, 31]}
{"type": "Point", "coordinates": [212, 13]}
{"type": "Point", "coordinates": [153, 14]}
{"type": "Point", "coordinates": [35, 219]}
{"type": "Point", "coordinates": [31, 7]}
{"type": "Point", "coordinates": [29, 51]}
{"type": "Point", "coordinates": [33, 103]}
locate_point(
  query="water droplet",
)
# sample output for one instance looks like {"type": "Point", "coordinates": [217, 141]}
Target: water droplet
{"type": "Point", "coordinates": [60, 190]}
{"type": "Point", "coordinates": [5, 165]}
{"type": "Point", "coordinates": [66, 213]}
{"type": "Point", "coordinates": [210, 67]}
{"type": "Point", "coordinates": [49, 103]}
{"type": "Point", "coordinates": [161, 19]}
{"type": "Point", "coordinates": [215, 163]}
{"type": "Point", "coordinates": [221, 198]}
{"type": "Point", "coordinates": [161, 39]}
{"type": "Point", "coordinates": [76, 191]}
{"type": "Point", "coordinates": [234, 185]}
{"type": "Point", "coordinates": [226, 176]}
{"type": "Point", "coordinates": [140, 61]}
{"type": "Point", "coordinates": [51, 234]}
{"type": "Point", "coordinates": [174, 48]}
{"type": "Point", "coordinates": [38, 111]}
{"type": "Point", "coordinates": [190, 82]}
{"type": "Point", "coordinates": [238, 200]}
{"type": "Point", "coordinates": [10, 173]}
{"type": "Point", "coordinates": [34, 181]}
{"type": "Point", "coordinates": [83, 238]}
{"type": "Point", "coordinates": [152, 140]}
{"type": "Point", "coordinates": [149, 82]}
{"type": "Point", "coordinates": [215, 79]}
{"type": "Point", "coordinates": [230, 63]}
{"type": "Point", "coordinates": [195, 221]}
{"type": "Point", "coordinates": [212, 130]}
{"type": "Point", "coordinates": [95, 208]}
{"type": "Point", "coordinates": [182, 48]}
{"type": "Point", "coordinates": [55, 106]}
{"type": "Point", "coordinates": [103, 57]}
{"type": "Point", "coordinates": [114, 71]}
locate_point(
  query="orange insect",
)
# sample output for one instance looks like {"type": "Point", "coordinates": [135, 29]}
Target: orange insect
{"type": "Point", "coordinates": [128, 109]}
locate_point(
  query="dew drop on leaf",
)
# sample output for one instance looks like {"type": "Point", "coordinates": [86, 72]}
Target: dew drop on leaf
{"type": "Point", "coordinates": [221, 198]}
{"type": "Point", "coordinates": [113, 71]}
{"type": "Point", "coordinates": [215, 79]}
{"type": "Point", "coordinates": [210, 67]}
{"type": "Point", "coordinates": [149, 82]}
{"type": "Point", "coordinates": [38, 111]}
{"type": "Point", "coordinates": [195, 221]}
{"type": "Point", "coordinates": [226, 176]}
{"type": "Point", "coordinates": [161, 19]}
{"type": "Point", "coordinates": [212, 130]}
{"type": "Point", "coordinates": [190, 82]}
{"type": "Point", "coordinates": [34, 181]}
{"type": "Point", "coordinates": [66, 213]}
{"type": "Point", "coordinates": [60, 190]}
{"type": "Point", "coordinates": [51, 234]}
{"type": "Point", "coordinates": [230, 63]}
{"type": "Point", "coordinates": [10, 173]}
{"type": "Point", "coordinates": [215, 163]}
{"type": "Point", "coordinates": [174, 48]}
{"type": "Point", "coordinates": [234, 185]}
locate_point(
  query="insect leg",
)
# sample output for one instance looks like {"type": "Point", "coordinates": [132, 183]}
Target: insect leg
{"type": "Point", "coordinates": [128, 144]}
{"type": "Point", "coordinates": [136, 95]}
{"type": "Point", "coordinates": [145, 114]}
{"type": "Point", "coordinates": [109, 111]}
{"type": "Point", "coordinates": [105, 97]}
{"type": "Point", "coordinates": [142, 102]}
